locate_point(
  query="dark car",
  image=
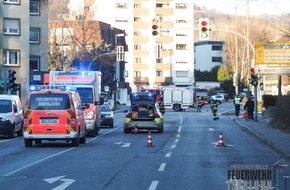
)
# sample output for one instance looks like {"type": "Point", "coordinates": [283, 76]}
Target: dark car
{"type": "Point", "coordinates": [143, 113]}
{"type": "Point", "coordinates": [107, 116]}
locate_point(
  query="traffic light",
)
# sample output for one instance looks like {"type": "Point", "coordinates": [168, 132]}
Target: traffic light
{"type": "Point", "coordinates": [203, 29]}
{"type": "Point", "coordinates": [155, 27]}
{"type": "Point", "coordinates": [254, 78]}
{"type": "Point", "coordinates": [11, 80]}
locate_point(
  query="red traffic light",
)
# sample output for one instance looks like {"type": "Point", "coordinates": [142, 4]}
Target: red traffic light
{"type": "Point", "coordinates": [154, 27]}
{"type": "Point", "coordinates": [204, 23]}
{"type": "Point", "coordinates": [252, 70]}
{"type": "Point", "coordinates": [204, 29]}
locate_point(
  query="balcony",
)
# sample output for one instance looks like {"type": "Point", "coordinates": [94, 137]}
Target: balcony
{"type": "Point", "coordinates": [163, 11]}
{"type": "Point", "coordinates": [140, 53]}
{"type": "Point", "coordinates": [163, 81]}
{"type": "Point", "coordinates": [141, 80]}
{"type": "Point", "coordinates": [164, 39]}
{"type": "Point", "coordinates": [140, 67]}
{"type": "Point", "coordinates": [140, 40]}
{"type": "Point", "coordinates": [141, 25]}
{"type": "Point", "coordinates": [140, 12]}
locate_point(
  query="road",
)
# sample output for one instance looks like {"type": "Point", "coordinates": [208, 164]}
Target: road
{"type": "Point", "coordinates": [184, 157]}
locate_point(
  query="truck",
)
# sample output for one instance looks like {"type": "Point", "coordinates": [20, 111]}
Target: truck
{"type": "Point", "coordinates": [178, 98]}
{"type": "Point", "coordinates": [88, 85]}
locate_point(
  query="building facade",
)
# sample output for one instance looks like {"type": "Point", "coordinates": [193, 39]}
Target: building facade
{"type": "Point", "coordinates": [209, 54]}
{"type": "Point", "coordinates": [163, 59]}
{"type": "Point", "coordinates": [23, 40]}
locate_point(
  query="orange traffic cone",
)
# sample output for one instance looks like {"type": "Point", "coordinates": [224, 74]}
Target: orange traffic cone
{"type": "Point", "coordinates": [135, 128]}
{"type": "Point", "coordinates": [149, 141]}
{"type": "Point", "coordinates": [221, 140]}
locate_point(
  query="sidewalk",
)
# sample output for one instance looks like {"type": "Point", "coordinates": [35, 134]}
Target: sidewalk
{"type": "Point", "coordinates": [273, 137]}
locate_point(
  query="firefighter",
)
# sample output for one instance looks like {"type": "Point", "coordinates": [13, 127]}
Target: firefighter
{"type": "Point", "coordinates": [214, 108]}
{"type": "Point", "coordinates": [161, 105]}
{"type": "Point", "coordinates": [198, 104]}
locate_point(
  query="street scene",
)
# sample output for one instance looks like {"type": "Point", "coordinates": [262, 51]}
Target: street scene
{"type": "Point", "coordinates": [144, 94]}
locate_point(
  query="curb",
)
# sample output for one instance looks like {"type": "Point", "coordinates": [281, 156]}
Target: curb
{"type": "Point", "coordinates": [263, 139]}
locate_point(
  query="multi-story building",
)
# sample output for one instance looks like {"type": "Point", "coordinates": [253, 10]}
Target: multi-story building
{"type": "Point", "coordinates": [160, 59]}
{"type": "Point", "coordinates": [23, 40]}
{"type": "Point", "coordinates": [208, 54]}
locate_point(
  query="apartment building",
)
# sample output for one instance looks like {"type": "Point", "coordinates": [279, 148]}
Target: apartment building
{"type": "Point", "coordinates": [209, 54]}
{"type": "Point", "coordinates": [163, 59]}
{"type": "Point", "coordinates": [23, 40]}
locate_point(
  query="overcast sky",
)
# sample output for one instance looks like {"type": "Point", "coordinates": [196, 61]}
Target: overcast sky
{"type": "Point", "coordinates": [256, 7]}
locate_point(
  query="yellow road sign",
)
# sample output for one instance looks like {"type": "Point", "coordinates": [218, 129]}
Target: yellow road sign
{"type": "Point", "coordinates": [272, 53]}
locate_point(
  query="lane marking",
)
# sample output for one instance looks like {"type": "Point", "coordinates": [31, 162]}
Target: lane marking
{"type": "Point", "coordinates": [54, 155]}
{"type": "Point", "coordinates": [173, 146]}
{"type": "Point", "coordinates": [126, 145]}
{"type": "Point", "coordinates": [162, 167]}
{"type": "Point", "coordinates": [168, 154]}
{"type": "Point", "coordinates": [176, 140]}
{"type": "Point", "coordinates": [178, 135]}
{"type": "Point", "coordinates": [153, 185]}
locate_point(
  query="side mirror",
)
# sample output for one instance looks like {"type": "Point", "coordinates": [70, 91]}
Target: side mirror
{"type": "Point", "coordinates": [85, 106]}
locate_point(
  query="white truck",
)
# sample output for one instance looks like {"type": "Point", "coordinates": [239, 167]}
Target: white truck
{"type": "Point", "coordinates": [178, 98]}
{"type": "Point", "coordinates": [88, 85]}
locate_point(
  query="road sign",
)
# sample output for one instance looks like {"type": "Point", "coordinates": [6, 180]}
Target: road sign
{"type": "Point", "coordinates": [272, 53]}
{"type": "Point", "coordinates": [271, 70]}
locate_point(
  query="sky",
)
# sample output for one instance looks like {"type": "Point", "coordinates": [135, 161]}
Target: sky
{"type": "Point", "coordinates": [256, 7]}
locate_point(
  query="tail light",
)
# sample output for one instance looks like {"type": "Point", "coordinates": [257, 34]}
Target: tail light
{"type": "Point", "coordinates": [25, 123]}
{"type": "Point", "coordinates": [73, 122]}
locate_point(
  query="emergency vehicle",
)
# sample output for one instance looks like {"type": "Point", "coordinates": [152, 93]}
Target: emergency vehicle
{"type": "Point", "coordinates": [178, 98]}
{"type": "Point", "coordinates": [88, 85]}
{"type": "Point", "coordinates": [53, 113]}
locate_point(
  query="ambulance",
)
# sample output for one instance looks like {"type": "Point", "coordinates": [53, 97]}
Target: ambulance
{"type": "Point", "coordinates": [88, 85]}
{"type": "Point", "coordinates": [53, 113]}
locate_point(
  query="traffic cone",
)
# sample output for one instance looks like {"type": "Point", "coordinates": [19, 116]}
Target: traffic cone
{"type": "Point", "coordinates": [135, 128]}
{"type": "Point", "coordinates": [221, 140]}
{"type": "Point", "coordinates": [149, 141]}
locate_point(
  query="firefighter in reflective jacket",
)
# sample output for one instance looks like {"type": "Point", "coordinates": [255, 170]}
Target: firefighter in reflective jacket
{"type": "Point", "coordinates": [214, 108]}
{"type": "Point", "coordinates": [161, 105]}
{"type": "Point", "coordinates": [198, 104]}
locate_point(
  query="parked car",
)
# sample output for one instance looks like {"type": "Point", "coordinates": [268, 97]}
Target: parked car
{"type": "Point", "coordinates": [219, 98]}
{"type": "Point", "coordinates": [11, 115]}
{"type": "Point", "coordinates": [107, 116]}
{"type": "Point", "coordinates": [143, 113]}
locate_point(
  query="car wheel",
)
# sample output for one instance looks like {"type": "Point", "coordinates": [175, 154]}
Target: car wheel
{"type": "Point", "coordinates": [20, 132]}
{"type": "Point", "coordinates": [75, 142]}
{"type": "Point", "coordinates": [83, 139]}
{"type": "Point", "coordinates": [176, 107]}
{"type": "Point", "coordinates": [28, 142]}
{"type": "Point", "coordinates": [112, 124]}
{"type": "Point", "coordinates": [11, 133]}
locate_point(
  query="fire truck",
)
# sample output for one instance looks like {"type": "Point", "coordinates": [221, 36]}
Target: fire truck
{"type": "Point", "coordinates": [88, 85]}
{"type": "Point", "coordinates": [178, 98]}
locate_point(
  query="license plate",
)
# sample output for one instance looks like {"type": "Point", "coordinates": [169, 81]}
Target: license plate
{"type": "Point", "coordinates": [49, 120]}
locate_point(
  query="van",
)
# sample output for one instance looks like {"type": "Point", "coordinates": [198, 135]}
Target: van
{"type": "Point", "coordinates": [53, 113]}
{"type": "Point", "coordinates": [11, 115]}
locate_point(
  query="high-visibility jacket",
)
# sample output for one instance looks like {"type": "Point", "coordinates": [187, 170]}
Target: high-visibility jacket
{"type": "Point", "coordinates": [237, 100]}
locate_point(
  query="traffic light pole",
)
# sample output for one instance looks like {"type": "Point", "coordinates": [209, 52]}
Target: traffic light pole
{"type": "Point", "coordinates": [255, 103]}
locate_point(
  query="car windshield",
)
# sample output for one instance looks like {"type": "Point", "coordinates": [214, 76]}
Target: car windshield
{"type": "Point", "coordinates": [49, 102]}
{"type": "Point", "coordinates": [5, 106]}
{"type": "Point", "coordinates": [86, 94]}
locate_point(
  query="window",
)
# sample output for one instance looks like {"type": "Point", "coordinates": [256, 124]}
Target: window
{"type": "Point", "coordinates": [137, 73]}
{"type": "Point", "coordinates": [34, 63]}
{"type": "Point", "coordinates": [181, 46]}
{"type": "Point", "coordinates": [16, 2]}
{"type": "Point", "coordinates": [159, 73]}
{"type": "Point", "coordinates": [34, 7]}
{"type": "Point", "coordinates": [122, 5]}
{"type": "Point", "coordinates": [11, 26]}
{"type": "Point", "coordinates": [137, 60]}
{"type": "Point", "coordinates": [11, 57]}
{"type": "Point", "coordinates": [181, 73]}
{"type": "Point", "coordinates": [216, 48]}
{"type": "Point", "coordinates": [34, 35]}
{"type": "Point", "coordinates": [181, 6]}
{"type": "Point", "coordinates": [217, 59]}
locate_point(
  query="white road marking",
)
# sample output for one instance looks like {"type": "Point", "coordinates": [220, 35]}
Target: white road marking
{"type": "Point", "coordinates": [173, 146]}
{"type": "Point", "coordinates": [54, 155]}
{"type": "Point", "coordinates": [126, 145]}
{"type": "Point", "coordinates": [179, 129]}
{"type": "Point", "coordinates": [176, 140]}
{"type": "Point", "coordinates": [153, 185]}
{"type": "Point", "coordinates": [168, 154]}
{"type": "Point", "coordinates": [178, 135]}
{"type": "Point", "coordinates": [162, 167]}
{"type": "Point", "coordinates": [210, 129]}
